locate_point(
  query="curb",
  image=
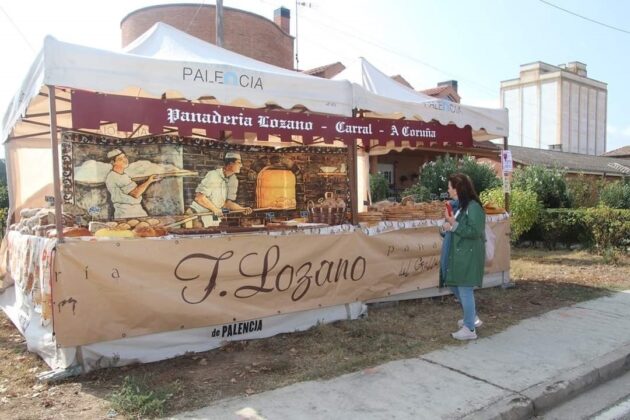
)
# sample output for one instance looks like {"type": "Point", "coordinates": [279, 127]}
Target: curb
{"type": "Point", "coordinates": [557, 390]}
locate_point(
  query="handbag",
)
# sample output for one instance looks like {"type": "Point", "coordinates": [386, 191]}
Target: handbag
{"type": "Point", "coordinates": [491, 241]}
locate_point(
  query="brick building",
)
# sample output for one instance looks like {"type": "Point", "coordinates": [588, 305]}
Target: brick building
{"type": "Point", "coordinates": [444, 90]}
{"type": "Point", "coordinates": [328, 71]}
{"type": "Point", "coordinates": [243, 32]}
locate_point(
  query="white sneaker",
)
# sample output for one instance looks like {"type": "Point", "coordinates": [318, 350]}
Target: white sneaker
{"type": "Point", "coordinates": [478, 323]}
{"type": "Point", "coordinates": [464, 334]}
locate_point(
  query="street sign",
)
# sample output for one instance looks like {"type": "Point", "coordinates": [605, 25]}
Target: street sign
{"type": "Point", "coordinates": [506, 161]}
{"type": "Point", "coordinates": [507, 187]}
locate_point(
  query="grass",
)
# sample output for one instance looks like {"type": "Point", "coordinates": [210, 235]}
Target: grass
{"type": "Point", "coordinates": [137, 397]}
{"type": "Point", "coordinates": [544, 280]}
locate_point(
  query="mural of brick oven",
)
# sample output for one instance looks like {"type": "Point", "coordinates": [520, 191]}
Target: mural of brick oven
{"type": "Point", "coordinates": [275, 189]}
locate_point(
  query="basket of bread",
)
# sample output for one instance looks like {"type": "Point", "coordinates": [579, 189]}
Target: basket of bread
{"type": "Point", "coordinates": [328, 210]}
{"type": "Point", "coordinates": [491, 208]}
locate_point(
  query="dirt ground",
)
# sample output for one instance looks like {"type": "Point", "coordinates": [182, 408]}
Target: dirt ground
{"type": "Point", "coordinates": [544, 280]}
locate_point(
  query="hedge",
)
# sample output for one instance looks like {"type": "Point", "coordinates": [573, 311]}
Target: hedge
{"type": "Point", "coordinates": [610, 227]}
{"type": "Point", "coordinates": [600, 228]}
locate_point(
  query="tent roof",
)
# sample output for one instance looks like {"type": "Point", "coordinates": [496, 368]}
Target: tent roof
{"type": "Point", "coordinates": [379, 94]}
{"type": "Point", "coordinates": [167, 61]}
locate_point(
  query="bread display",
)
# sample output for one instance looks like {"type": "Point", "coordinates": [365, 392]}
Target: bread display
{"type": "Point", "coordinates": [114, 233]}
{"type": "Point", "coordinates": [491, 208]}
{"type": "Point", "coordinates": [149, 232]}
{"type": "Point", "coordinates": [71, 232]}
{"type": "Point", "coordinates": [39, 221]}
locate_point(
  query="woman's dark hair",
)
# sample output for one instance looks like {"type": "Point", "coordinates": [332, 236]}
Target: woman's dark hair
{"type": "Point", "coordinates": [465, 190]}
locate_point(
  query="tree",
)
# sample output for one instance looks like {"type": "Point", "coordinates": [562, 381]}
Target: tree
{"type": "Point", "coordinates": [548, 184]}
{"type": "Point", "coordinates": [379, 187]}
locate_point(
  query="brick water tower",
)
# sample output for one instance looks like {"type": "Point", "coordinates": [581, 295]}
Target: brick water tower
{"type": "Point", "coordinates": [243, 32]}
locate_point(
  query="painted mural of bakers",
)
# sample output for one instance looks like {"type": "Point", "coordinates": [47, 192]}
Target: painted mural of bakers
{"type": "Point", "coordinates": [218, 190]}
{"type": "Point", "coordinates": [126, 195]}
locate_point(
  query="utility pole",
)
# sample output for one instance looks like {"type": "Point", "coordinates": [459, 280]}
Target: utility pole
{"type": "Point", "coordinates": [219, 23]}
{"type": "Point", "coordinates": [304, 4]}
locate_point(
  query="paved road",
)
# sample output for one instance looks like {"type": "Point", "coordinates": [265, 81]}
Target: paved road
{"type": "Point", "coordinates": [609, 401]}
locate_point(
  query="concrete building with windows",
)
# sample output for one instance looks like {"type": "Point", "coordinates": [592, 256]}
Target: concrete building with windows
{"type": "Point", "coordinates": [556, 108]}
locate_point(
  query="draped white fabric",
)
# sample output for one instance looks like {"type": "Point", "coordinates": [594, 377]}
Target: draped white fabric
{"type": "Point", "coordinates": [381, 96]}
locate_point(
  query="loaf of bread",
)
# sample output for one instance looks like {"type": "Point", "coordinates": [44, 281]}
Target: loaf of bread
{"type": "Point", "coordinates": [70, 232]}
{"type": "Point", "coordinates": [114, 233]}
{"type": "Point", "coordinates": [149, 232]}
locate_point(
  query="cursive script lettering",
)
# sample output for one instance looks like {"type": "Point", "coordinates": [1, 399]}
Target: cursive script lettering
{"type": "Point", "coordinates": [271, 276]}
{"type": "Point", "coordinates": [269, 262]}
{"type": "Point", "coordinates": [212, 281]}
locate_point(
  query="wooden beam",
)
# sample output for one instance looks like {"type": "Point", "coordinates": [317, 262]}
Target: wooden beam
{"type": "Point", "coordinates": [54, 144]}
{"type": "Point", "coordinates": [28, 136]}
{"type": "Point", "coordinates": [46, 95]}
{"type": "Point", "coordinates": [46, 114]}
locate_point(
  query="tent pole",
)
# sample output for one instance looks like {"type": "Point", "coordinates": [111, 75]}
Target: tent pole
{"type": "Point", "coordinates": [354, 175]}
{"type": "Point", "coordinates": [354, 193]}
{"type": "Point", "coordinates": [507, 194]}
{"type": "Point", "coordinates": [54, 144]}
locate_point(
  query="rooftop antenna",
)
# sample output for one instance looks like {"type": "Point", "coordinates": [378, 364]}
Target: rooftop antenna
{"type": "Point", "coordinates": [219, 23]}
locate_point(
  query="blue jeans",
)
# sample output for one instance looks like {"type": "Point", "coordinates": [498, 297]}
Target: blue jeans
{"type": "Point", "coordinates": [466, 297]}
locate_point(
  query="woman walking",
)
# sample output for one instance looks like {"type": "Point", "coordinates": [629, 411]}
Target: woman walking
{"type": "Point", "coordinates": [466, 253]}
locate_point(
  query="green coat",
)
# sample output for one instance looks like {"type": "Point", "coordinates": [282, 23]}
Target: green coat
{"type": "Point", "coordinates": [467, 254]}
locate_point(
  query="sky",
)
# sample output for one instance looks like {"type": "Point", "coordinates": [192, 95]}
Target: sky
{"type": "Point", "coordinates": [479, 43]}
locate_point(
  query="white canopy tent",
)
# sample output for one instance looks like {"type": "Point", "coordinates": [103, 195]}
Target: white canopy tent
{"type": "Point", "coordinates": [167, 61]}
{"type": "Point", "coordinates": [381, 96]}
{"type": "Point", "coordinates": [163, 63]}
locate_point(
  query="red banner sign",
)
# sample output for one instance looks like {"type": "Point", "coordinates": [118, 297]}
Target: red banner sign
{"type": "Point", "coordinates": [90, 110]}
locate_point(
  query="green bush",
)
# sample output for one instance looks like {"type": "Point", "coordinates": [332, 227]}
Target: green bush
{"type": "Point", "coordinates": [548, 184]}
{"type": "Point", "coordinates": [434, 175]}
{"type": "Point", "coordinates": [584, 190]}
{"type": "Point", "coordinates": [419, 193]}
{"type": "Point", "coordinates": [482, 175]}
{"type": "Point", "coordinates": [3, 220]}
{"type": "Point", "coordinates": [610, 227]}
{"type": "Point", "coordinates": [379, 187]}
{"type": "Point", "coordinates": [524, 208]}
{"type": "Point", "coordinates": [3, 172]}
{"type": "Point", "coordinates": [560, 226]}
{"type": "Point", "coordinates": [616, 195]}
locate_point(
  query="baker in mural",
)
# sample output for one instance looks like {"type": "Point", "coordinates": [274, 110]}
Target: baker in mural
{"type": "Point", "coordinates": [125, 194]}
{"type": "Point", "coordinates": [218, 190]}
